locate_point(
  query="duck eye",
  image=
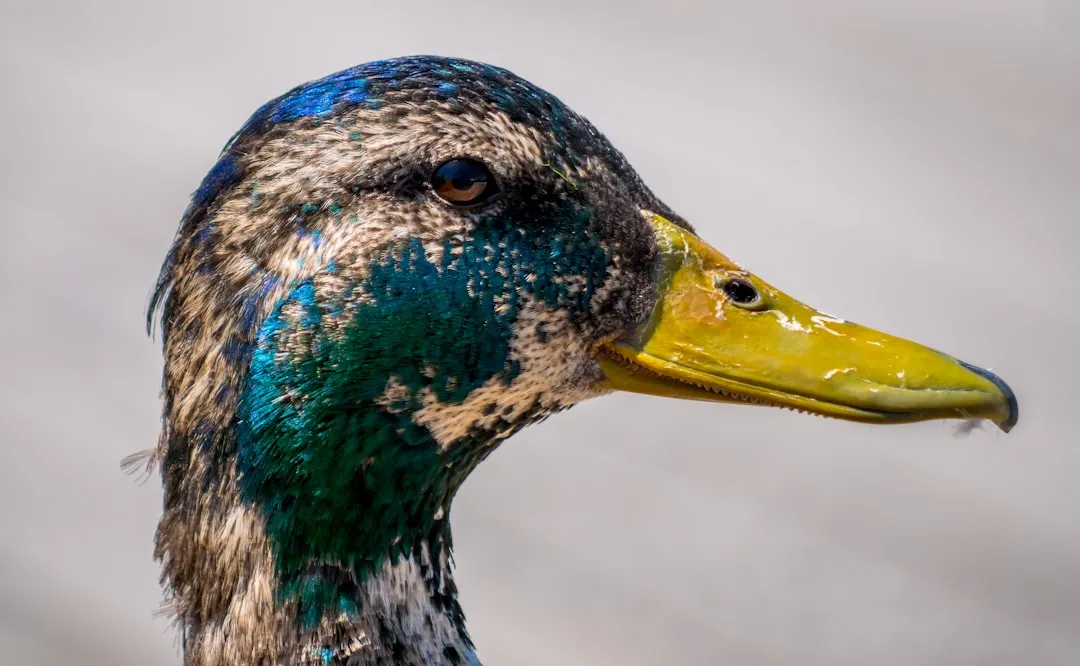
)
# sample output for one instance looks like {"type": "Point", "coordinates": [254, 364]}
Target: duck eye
{"type": "Point", "coordinates": [742, 293]}
{"type": "Point", "coordinates": [463, 182]}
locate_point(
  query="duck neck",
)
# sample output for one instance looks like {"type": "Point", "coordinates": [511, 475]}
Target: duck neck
{"type": "Point", "coordinates": [363, 407]}
{"type": "Point", "coordinates": [357, 525]}
{"type": "Point", "coordinates": [404, 612]}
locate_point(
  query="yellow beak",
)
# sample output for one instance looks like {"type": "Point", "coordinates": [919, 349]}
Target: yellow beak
{"type": "Point", "coordinates": [720, 334]}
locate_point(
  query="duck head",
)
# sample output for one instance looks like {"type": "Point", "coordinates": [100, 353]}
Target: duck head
{"type": "Point", "coordinates": [388, 272]}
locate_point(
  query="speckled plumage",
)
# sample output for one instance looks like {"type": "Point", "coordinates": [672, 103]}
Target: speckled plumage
{"type": "Point", "coordinates": [342, 348]}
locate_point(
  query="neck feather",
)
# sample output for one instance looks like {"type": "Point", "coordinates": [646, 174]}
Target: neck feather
{"type": "Point", "coordinates": [404, 612]}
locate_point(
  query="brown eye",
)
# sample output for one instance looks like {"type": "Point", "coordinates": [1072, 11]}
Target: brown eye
{"type": "Point", "coordinates": [463, 182]}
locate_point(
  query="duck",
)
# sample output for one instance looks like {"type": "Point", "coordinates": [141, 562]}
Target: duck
{"type": "Point", "coordinates": [388, 272]}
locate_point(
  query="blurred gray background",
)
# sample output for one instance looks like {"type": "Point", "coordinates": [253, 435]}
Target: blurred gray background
{"type": "Point", "coordinates": [913, 165]}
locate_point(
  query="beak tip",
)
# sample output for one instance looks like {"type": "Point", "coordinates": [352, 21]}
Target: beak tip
{"type": "Point", "coordinates": [1006, 424]}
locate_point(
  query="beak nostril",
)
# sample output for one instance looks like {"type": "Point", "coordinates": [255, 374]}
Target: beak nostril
{"type": "Point", "coordinates": [740, 292]}
{"type": "Point", "coordinates": [1010, 397]}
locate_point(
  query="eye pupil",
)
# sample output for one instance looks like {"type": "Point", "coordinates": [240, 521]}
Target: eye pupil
{"type": "Point", "coordinates": [463, 182]}
{"type": "Point", "coordinates": [741, 292]}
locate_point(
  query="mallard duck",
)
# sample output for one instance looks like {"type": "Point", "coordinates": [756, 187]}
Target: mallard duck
{"type": "Point", "coordinates": [387, 273]}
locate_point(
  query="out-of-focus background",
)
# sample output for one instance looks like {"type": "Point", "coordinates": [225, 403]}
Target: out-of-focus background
{"type": "Point", "coordinates": [913, 165]}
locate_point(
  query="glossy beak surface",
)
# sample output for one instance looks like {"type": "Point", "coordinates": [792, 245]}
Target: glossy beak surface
{"type": "Point", "coordinates": [719, 333]}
